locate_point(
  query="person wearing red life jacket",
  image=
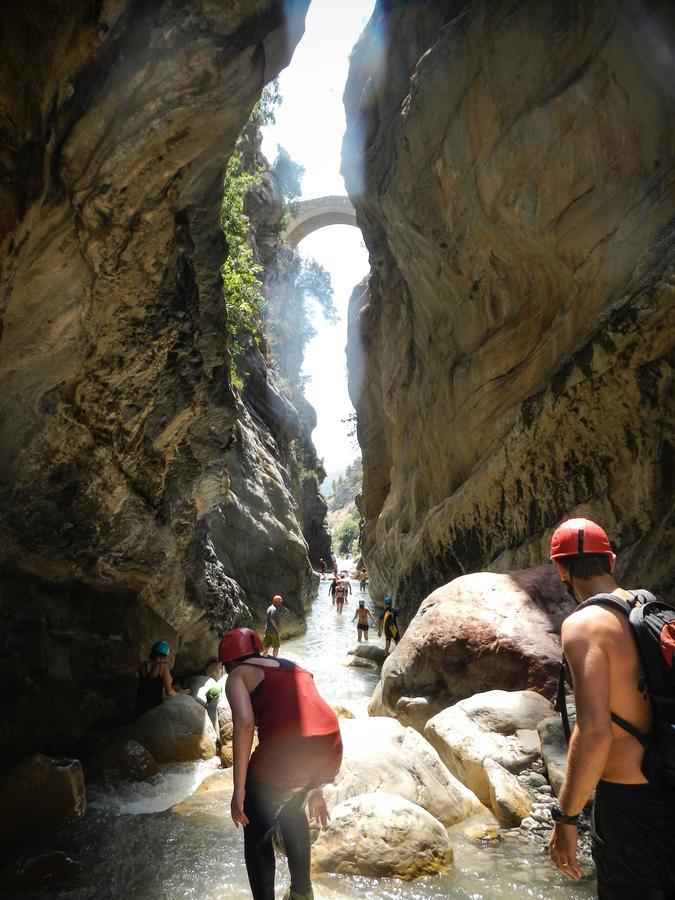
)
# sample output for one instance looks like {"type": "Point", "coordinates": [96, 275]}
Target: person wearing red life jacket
{"type": "Point", "coordinates": [299, 750]}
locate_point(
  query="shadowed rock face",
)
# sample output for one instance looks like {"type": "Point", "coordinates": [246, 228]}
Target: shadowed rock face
{"type": "Point", "coordinates": [139, 496]}
{"type": "Point", "coordinates": [511, 166]}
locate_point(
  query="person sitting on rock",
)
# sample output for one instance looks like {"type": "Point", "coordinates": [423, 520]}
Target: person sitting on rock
{"type": "Point", "coordinates": [272, 637]}
{"type": "Point", "coordinates": [363, 614]}
{"type": "Point", "coordinates": [299, 750]}
{"type": "Point", "coordinates": [154, 678]}
{"type": "Point", "coordinates": [389, 624]}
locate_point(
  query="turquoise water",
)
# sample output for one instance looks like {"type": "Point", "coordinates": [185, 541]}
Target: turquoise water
{"type": "Point", "coordinates": [133, 847]}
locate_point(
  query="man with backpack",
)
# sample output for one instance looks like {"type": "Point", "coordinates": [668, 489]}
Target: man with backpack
{"type": "Point", "coordinates": [633, 831]}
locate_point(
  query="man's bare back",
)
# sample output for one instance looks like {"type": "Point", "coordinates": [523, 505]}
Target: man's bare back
{"type": "Point", "coordinates": [610, 631]}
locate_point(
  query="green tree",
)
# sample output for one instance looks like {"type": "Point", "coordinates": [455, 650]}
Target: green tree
{"type": "Point", "coordinates": [288, 175]}
{"type": "Point", "coordinates": [240, 272]}
{"type": "Point", "coordinates": [346, 538]}
{"type": "Point", "coordinates": [315, 282]}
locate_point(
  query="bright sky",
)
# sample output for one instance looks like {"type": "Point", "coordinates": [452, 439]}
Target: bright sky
{"type": "Point", "coordinates": [310, 124]}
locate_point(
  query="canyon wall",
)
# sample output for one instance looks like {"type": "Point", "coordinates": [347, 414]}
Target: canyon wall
{"type": "Point", "coordinates": [511, 360]}
{"type": "Point", "coordinates": [141, 496]}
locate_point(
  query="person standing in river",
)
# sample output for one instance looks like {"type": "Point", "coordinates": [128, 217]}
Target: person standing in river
{"type": "Point", "coordinates": [388, 624]}
{"type": "Point", "coordinates": [633, 824]}
{"type": "Point", "coordinates": [363, 579]}
{"type": "Point", "coordinates": [299, 750]}
{"type": "Point", "coordinates": [341, 588]}
{"type": "Point", "coordinates": [363, 614]}
{"type": "Point", "coordinates": [272, 637]}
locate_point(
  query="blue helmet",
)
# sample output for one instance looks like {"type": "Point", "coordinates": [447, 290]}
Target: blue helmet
{"type": "Point", "coordinates": [388, 601]}
{"type": "Point", "coordinates": [160, 648]}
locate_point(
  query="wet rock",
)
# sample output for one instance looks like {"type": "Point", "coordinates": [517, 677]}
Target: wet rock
{"type": "Point", "coordinates": [38, 872]}
{"type": "Point", "coordinates": [463, 737]}
{"type": "Point", "coordinates": [509, 800]}
{"type": "Point", "coordinates": [39, 793]}
{"type": "Point", "coordinates": [478, 631]}
{"type": "Point", "coordinates": [369, 650]}
{"type": "Point", "coordinates": [342, 712]}
{"type": "Point", "coordinates": [209, 805]}
{"type": "Point", "coordinates": [358, 662]}
{"type": "Point", "coordinates": [485, 832]}
{"type": "Point", "coordinates": [380, 755]}
{"type": "Point", "coordinates": [176, 731]}
{"type": "Point", "coordinates": [382, 835]}
{"type": "Point", "coordinates": [126, 759]}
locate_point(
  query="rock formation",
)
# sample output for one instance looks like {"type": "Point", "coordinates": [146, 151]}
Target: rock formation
{"type": "Point", "coordinates": [511, 166]}
{"type": "Point", "coordinates": [140, 495]}
{"type": "Point", "coordinates": [478, 632]}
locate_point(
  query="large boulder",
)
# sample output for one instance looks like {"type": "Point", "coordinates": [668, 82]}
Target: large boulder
{"type": "Point", "coordinates": [39, 793]}
{"type": "Point", "coordinates": [382, 835]}
{"type": "Point", "coordinates": [178, 730]}
{"type": "Point", "coordinates": [495, 725]}
{"type": "Point", "coordinates": [127, 759]}
{"type": "Point", "coordinates": [478, 631]}
{"type": "Point", "coordinates": [210, 803]}
{"type": "Point", "coordinates": [380, 755]}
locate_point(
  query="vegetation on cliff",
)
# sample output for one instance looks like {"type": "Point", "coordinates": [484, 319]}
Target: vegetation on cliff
{"type": "Point", "coordinates": [343, 514]}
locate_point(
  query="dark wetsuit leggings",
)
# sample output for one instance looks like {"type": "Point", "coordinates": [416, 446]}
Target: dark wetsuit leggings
{"type": "Point", "coordinates": [266, 805]}
{"type": "Point", "coordinates": [633, 832]}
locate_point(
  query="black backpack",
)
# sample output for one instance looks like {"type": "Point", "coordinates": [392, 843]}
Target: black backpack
{"type": "Point", "coordinates": [653, 627]}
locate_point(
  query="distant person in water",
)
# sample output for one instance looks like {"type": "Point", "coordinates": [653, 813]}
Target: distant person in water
{"type": "Point", "coordinates": [154, 679]}
{"type": "Point", "coordinates": [332, 588]}
{"type": "Point", "coordinates": [388, 624]}
{"type": "Point", "coordinates": [342, 588]}
{"type": "Point", "coordinates": [322, 563]}
{"type": "Point", "coordinates": [363, 614]}
{"type": "Point", "coordinates": [272, 637]}
{"type": "Point", "coordinates": [363, 579]}
{"type": "Point", "coordinates": [299, 750]}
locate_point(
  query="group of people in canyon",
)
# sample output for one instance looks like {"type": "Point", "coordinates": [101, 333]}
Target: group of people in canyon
{"type": "Point", "coordinates": [300, 750]}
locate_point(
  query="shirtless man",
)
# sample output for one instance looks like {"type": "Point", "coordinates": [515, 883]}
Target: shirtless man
{"type": "Point", "coordinates": [363, 614]}
{"type": "Point", "coordinates": [272, 636]}
{"type": "Point", "coordinates": [633, 834]}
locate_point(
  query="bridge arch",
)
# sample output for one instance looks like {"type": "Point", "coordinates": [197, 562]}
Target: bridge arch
{"type": "Point", "coordinates": [310, 215]}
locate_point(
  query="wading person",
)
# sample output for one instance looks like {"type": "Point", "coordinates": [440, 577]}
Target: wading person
{"type": "Point", "coordinates": [340, 593]}
{"type": "Point", "coordinates": [363, 579]}
{"type": "Point", "coordinates": [633, 830]}
{"type": "Point", "coordinates": [299, 750]}
{"type": "Point", "coordinates": [388, 624]}
{"type": "Point", "coordinates": [363, 614]}
{"type": "Point", "coordinates": [272, 636]}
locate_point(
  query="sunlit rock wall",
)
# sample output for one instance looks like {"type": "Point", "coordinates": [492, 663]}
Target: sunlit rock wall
{"type": "Point", "coordinates": [139, 496]}
{"type": "Point", "coordinates": [511, 165]}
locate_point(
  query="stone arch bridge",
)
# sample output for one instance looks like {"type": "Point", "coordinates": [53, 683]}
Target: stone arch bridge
{"type": "Point", "coordinates": [310, 215]}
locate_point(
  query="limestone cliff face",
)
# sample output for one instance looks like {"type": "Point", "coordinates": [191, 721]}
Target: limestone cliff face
{"type": "Point", "coordinates": [511, 165]}
{"type": "Point", "coordinates": [140, 496]}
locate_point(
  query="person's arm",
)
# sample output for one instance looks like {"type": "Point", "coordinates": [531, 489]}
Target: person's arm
{"type": "Point", "coordinates": [591, 738]}
{"type": "Point", "coordinates": [275, 621]}
{"type": "Point", "coordinates": [243, 725]}
{"type": "Point", "coordinates": [372, 617]}
{"type": "Point", "coordinates": [355, 615]}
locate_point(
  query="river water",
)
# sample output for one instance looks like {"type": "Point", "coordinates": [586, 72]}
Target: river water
{"type": "Point", "coordinates": [133, 847]}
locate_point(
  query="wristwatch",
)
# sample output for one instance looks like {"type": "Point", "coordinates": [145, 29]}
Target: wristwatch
{"type": "Point", "coordinates": [561, 818]}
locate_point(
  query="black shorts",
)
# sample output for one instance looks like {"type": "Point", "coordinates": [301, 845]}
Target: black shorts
{"type": "Point", "coordinates": [361, 627]}
{"type": "Point", "coordinates": [633, 832]}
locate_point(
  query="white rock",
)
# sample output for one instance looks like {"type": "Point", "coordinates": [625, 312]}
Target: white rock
{"type": "Point", "coordinates": [176, 731]}
{"type": "Point", "coordinates": [380, 755]}
{"type": "Point", "coordinates": [382, 835]}
{"type": "Point", "coordinates": [509, 800]}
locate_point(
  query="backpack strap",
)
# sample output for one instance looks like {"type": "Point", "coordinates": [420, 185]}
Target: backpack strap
{"type": "Point", "coordinates": [560, 705]}
{"type": "Point", "coordinates": [631, 729]}
{"type": "Point", "coordinates": [624, 606]}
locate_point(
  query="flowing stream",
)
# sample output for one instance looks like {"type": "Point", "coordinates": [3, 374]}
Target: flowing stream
{"type": "Point", "coordinates": [133, 847]}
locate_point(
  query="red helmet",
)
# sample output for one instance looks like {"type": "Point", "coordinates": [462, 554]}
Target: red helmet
{"type": "Point", "coordinates": [578, 536]}
{"type": "Point", "coordinates": [237, 643]}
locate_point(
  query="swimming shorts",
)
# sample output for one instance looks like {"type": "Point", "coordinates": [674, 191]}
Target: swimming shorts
{"type": "Point", "coordinates": [633, 835]}
{"type": "Point", "coordinates": [361, 627]}
{"type": "Point", "coordinates": [271, 640]}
